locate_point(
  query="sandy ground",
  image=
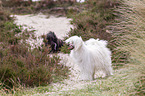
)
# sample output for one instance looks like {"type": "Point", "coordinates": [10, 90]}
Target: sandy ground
{"type": "Point", "coordinates": [43, 24]}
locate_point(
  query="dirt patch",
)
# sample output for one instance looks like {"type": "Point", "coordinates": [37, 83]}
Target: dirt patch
{"type": "Point", "coordinates": [43, 24]}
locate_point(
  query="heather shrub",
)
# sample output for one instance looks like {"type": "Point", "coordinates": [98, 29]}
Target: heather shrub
{"type": "Point", "coordinates": [44, 6]}
{"type": "Point", "coordinates": [16, 3]}
{"type": "Point", "coordinates": [65, 49]}
{"type": "Point", "coordinates": [91, 22]}
{"type": "Point", "coordinates": [20, 66]}
{"type": "Point", "coordinates": [28, 68]}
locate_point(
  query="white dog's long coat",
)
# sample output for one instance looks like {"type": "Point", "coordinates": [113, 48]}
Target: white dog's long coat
{"type": "Point", "coordinates": [91, 56]}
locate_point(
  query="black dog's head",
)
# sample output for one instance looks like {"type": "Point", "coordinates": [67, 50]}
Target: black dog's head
{"type": "Point", "coordinates": [50, 37]}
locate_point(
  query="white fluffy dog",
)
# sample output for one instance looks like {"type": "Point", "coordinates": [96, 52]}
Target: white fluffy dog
{"type": "Point", "coordinates": [91, 56]}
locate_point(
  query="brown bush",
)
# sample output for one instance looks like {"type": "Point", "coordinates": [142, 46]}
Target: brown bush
{"type": "Point", "coordinates": [16, 3]}
{"type": "Point", "coordinates": [20, 66]}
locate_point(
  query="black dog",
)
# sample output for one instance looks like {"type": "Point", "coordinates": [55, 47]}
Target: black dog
{"type": "Point", "coordinates": [53, 41]}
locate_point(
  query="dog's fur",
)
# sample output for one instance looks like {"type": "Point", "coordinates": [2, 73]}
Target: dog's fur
{"type": "Point", "coordinates": [91, 56]}
{"type": "Point", "coordinates": [54, 42]}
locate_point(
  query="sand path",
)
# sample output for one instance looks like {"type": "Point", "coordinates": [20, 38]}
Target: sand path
{"type": "Point", "coordinates": [43, 24]}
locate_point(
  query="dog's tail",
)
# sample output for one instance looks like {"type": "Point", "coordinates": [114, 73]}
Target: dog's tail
{"type": "Point", "coordinates": [103, 42]}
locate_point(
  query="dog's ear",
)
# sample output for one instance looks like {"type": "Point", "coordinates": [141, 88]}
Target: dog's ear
{"type": "Point", "coordinates": [81, 38]}
{"type": "Point", "coordinates": [78, 43]}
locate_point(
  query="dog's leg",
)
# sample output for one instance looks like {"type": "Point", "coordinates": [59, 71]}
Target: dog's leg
{"type": "Point", "coordinates": [53, 47]}
{"type": "Point", "coordinates": [86, 75]}
{"type": "Point", "coordinates": [109, 71]}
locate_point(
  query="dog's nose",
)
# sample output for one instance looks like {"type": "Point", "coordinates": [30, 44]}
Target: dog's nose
{"type": "Point", "coordinates": [67, 44]}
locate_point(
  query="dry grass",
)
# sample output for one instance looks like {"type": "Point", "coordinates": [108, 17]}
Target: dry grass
{"type": "Point", "coordinates": [136, 34]}
{"type": "Point", "coordinates": [130, 35]}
